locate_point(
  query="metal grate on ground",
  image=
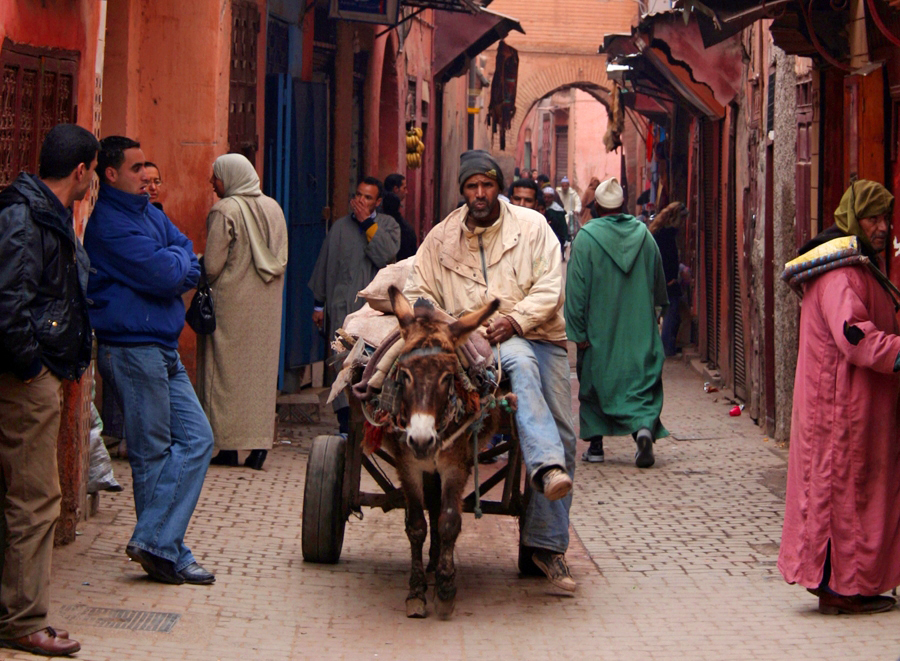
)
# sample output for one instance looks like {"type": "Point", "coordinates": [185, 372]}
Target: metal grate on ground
{"type": "Point", "coordinates": [120, 618]}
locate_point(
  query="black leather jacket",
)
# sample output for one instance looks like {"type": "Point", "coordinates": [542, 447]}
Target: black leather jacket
{"type": "Point", "coordinates": [43, 280]}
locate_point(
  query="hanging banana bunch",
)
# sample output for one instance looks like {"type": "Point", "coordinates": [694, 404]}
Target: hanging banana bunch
{"type": "Point", "coordinates": [414, 148]}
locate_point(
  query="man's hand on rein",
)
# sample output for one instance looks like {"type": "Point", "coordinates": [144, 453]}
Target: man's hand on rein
{"type": "Point", "coordinates": [499, 330]}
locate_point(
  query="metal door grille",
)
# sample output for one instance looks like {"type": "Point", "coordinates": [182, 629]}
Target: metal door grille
{"type": "Point", "coordinates": [562, 152]}
{"type": "Point", "coordinates": [242, 136]}
{"type": "Point", "coordinates": [740, 361]}
{"type": "Point", "coordinates": [711, 267]}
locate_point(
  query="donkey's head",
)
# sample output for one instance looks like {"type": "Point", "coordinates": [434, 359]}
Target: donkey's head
{"type": "Point", "coordinates": [427, 367]}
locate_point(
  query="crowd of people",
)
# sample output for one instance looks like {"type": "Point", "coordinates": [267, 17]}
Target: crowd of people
{"type": "Point", "coordinates": [124, 287]}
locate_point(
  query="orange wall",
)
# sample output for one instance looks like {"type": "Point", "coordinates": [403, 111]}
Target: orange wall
{"type": "Point", "coordinates": [64, 24]}
{"type": "Point", "coordinates": [166, 84]}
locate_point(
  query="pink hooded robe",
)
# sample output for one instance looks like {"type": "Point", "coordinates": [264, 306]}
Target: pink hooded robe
{"type": "Point", "coordinates": [844, 464]}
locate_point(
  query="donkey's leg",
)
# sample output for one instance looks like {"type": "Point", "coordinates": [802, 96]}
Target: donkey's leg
{"type": "Point", "coordinates": [449, 525]}
{"type": "Point", "coordinates": [416, 530]}
{"type": "Point", "coordinates": [432, 488]}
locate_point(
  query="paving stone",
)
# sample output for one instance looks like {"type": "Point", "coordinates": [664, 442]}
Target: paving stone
{"type": "Point", "coordinates": [673, 562]}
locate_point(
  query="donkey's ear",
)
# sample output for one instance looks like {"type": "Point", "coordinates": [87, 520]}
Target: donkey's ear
{"type": "Point", "coordinates": [465, 325]}
{"type": "Point", "coordinates": [402, 309]}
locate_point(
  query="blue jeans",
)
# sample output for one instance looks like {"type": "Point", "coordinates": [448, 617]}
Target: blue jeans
{"type": "Point", "coordinates": [540, 377]}
{"type": "Point", "coordinates": [170, 443]}
{"type": "Point", "coordinates": [671, 322]}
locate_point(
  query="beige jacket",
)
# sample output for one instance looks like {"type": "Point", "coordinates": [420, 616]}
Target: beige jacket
{"type": "Point", "coordinates": [523, 265]}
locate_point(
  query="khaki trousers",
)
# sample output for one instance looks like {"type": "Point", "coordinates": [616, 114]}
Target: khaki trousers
{"type": "Point", "coordinates": [29, 499]}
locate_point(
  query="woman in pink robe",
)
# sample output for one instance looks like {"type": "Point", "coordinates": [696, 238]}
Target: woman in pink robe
{"type": "Point", "coordinates": [841, 535]}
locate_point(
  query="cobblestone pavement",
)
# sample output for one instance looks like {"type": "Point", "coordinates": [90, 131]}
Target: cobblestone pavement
{"type": "Point", "coordinates": [675, 562]}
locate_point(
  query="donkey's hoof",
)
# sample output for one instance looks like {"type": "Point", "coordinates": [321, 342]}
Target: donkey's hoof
{"type": "Point", "coordinates": [415, 607]}
{"type": "Point", "coordinates": [444, 609]}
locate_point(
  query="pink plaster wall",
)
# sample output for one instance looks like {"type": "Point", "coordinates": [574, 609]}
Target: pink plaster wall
{"type": "Point", "coordinates": [166, 84]}
{"type": "Point", "coordinates": [588, 158]}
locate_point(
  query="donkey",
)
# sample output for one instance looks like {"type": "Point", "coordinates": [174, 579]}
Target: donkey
{"type": "Point", "coordinates": [426, 374]}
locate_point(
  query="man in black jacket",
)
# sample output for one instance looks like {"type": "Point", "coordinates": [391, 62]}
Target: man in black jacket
{"type": "Point", "coordinates": [45, 336]}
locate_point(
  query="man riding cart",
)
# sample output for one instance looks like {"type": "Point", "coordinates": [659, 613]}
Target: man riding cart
{"type": "Point", "coordinates": [488, 249]}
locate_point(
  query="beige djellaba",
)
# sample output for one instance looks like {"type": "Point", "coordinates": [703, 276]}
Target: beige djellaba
{"type": "Point", "coordinates": [237, 376]}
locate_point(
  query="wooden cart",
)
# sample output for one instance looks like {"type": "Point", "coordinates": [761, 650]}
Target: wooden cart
{"type": "Point", "coordinates": [333, 490]}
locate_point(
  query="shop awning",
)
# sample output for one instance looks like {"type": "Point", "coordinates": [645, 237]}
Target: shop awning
{"type": "Point", "coordinates": [458, 37]}
{"type": "Point", "coordinates": [667, 61]}
{"type": "Point", "coordinates": [651, 74]}
{"type": "Point", "coordinates": [790, 28]}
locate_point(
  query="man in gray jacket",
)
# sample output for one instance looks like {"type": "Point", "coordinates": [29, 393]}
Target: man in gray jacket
{"type": "Point", "coordinates": [355, 248]}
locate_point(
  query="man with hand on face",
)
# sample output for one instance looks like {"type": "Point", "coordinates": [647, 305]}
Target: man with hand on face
{"type": "Point", "coordinates": [141, 266]}
{"type": "Point", "coordinates": [355, 247]}
{"type": "Point", "coordinates": [490, 249]}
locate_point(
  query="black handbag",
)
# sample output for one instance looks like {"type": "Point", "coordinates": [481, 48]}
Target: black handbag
{"type": "Point", "coordinates": [201, 315]}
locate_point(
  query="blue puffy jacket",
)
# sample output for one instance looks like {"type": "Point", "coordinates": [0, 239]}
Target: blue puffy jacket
{"type": "Point", "coordinates": [140, 266]}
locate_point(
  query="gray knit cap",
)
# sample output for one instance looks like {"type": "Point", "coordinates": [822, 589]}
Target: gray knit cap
{"type": "Point", "coordinates": [478, 161]}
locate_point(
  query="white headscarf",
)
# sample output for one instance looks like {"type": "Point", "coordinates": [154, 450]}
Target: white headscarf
{"type": "Point", "coordinates": [240, 180]}
{"type": "Point", "coordinates": [237, 174]}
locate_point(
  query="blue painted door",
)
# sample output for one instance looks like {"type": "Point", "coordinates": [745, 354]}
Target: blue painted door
{"type": "Point", "coordinates": [296, 176]}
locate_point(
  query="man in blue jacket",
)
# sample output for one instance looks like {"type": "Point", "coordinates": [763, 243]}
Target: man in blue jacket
{"type": "Point", "coordinates": [140, 266]}
{"type": "Point", "coordinates": [45, 336]}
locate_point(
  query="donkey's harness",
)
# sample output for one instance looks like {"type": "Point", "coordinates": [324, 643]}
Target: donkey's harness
{"type": "Point", "coordinates": [476, 390]}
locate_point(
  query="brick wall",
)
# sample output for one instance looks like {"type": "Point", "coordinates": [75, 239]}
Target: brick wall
{"type": "Point", "coordinates": [558, 50]}
{"type": "Point", "coordinates": [566, 26]}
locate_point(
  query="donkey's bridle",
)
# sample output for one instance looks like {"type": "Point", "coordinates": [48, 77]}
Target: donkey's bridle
{"type": "Point", "coordinates": [425, 351]}
{"type": "Point", "coordinates": [449, 411]}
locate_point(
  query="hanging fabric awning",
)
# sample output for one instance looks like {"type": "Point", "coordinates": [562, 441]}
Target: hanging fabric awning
{"type": "Point", "coordinates": [460, 37]}
{"type": "Point", "coordinates": [664, 59]}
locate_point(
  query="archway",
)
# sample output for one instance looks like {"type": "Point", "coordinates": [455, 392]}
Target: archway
{"type": "Point", "coordinates": [561, 134]}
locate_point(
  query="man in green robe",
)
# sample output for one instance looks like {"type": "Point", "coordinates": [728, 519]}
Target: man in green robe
{"type": "Point", "coordinates": [615, 293]}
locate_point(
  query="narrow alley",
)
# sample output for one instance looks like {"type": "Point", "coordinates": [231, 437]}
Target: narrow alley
{"type": "Point", "coordinates": [676, 562]}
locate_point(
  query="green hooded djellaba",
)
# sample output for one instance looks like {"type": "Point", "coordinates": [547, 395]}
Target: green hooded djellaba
{"type": "Point", "coordinates": [614, 287]}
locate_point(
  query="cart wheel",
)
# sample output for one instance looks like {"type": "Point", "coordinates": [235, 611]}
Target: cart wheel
{"type": "Point", "coordinates": [526, 564]}
{"type": "Point", "coordinates": [323, 516]}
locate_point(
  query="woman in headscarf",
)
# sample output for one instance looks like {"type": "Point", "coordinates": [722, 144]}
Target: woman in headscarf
{"type": "Point", "coordinates": [237, 365]}
{"type": "Point", "coordinates": [841, 535]}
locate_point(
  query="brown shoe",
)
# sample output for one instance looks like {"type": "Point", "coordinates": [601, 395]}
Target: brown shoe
{"type": "Point", "coordinates": [45, 642]}
{"type": "Point", "coordinates": [556, 568]}
{"type": "Point", "coordinates": [836, 604]}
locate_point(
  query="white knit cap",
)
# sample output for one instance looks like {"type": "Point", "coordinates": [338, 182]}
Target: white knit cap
{"type": "Point", "coordinates": [609, 194]}
{"type": "Point", "coordinates": [548, 190]}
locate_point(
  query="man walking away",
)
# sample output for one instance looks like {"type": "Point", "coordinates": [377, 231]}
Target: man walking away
{"type": "Point", "coordinates": [45, 336]}
{"type": "Point", "coordinates": [141, 265]}
{"type": "Point", "coordinates": [615, 285]}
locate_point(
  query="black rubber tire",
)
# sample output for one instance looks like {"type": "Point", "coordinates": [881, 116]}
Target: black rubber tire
{"type": "Point", "coordinates": [323, 516]}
